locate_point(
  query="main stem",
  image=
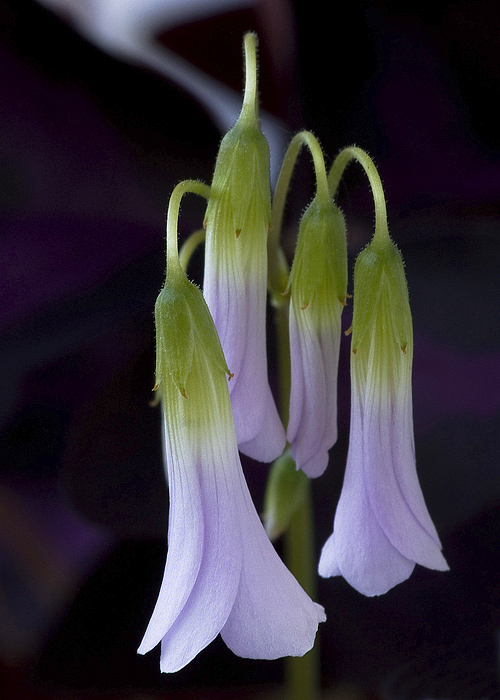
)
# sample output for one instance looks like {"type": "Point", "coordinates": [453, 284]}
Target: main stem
{"type": "Point", "coordinates": [302, 673]}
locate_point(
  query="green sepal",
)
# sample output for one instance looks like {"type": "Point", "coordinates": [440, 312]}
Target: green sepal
{"type": "Point", "coordinates": [319, 270]}
{"type": "Point", "coordinates": [183, 320]}
{"type": "Point", "coordinates": [241, 183]}
{"type": "Point", "coordinates": [381, 295]}
{"type": "Point", "coordinates": [285, 492]}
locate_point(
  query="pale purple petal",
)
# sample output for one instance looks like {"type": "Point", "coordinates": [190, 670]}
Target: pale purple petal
{"type": "Point", "coordinates": [314, 351]}
{"type": "Point", "coordinates": [270, 440]}
{"type": "Point", "coordinates": [272, 616]}
{"type": "Point", "coordinates": [391, 478]}
{"type": "Point", "coordinates": [256, 418]}
{"type": "Point", "coordinates": [358, 548]}
{"type": "Point", "coordinates": [193, 604]}
{"type": "Point", "coordinates": [235, 291]}
{"type": "Point", "coordinates": [297, 384]}
{"type": "Point", "coordinates": [184, 553]}
{"type": "Point", "coordinates": [328, 565]}
{"type": "Point", "coordinates": [381, 527]}
{"type": "Point", "coordinates": [226, 297]}
{"type": "Point", "coordinates": [220, 563]}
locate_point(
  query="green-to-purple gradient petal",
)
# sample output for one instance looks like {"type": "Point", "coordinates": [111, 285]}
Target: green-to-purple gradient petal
{"type": "Point", "coordinates": [236, 294]}
{"type": "Point", "coordinates": [382, 527]}
{"type": "Point", "coordinates": [314, 353]}
{"type": "Point", "coordinates": [222, 572]}
{"type": "Point", "coordinates": [200, 532]}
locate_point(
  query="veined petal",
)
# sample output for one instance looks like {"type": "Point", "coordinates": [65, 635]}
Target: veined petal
{"type": "Point", "coordinates": [391, 477]}
{"type": "Point", "coordinates": [235, 279]}
{"type": "Point", "coordinates": [254, 410]}
{"type": "Point", "coordinates": [314, 350]}
{"type": "Point", "coordinates": [270, 439]}
{"type": "Point", "coordinates": [184, 553]}
{"type": "Point", "coordinates": [382, 526]}
{"type": "Point", "coordinates": [219, 559]}
{"type": "Point", "coordinates": [358, 549]}
{"type": "Point", "coordinates": [235, 290]}
{"type": "Point", "coordinates": [227, 298]}
{"type": "Point", "coordinates": [318, 284]}
{"type": "Point", "coordinates": [272, 616]}
{"type": "Point", "coordinates": [193, 604]}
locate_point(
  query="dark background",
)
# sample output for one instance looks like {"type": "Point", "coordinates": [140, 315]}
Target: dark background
{"type": "Point", "coordinates": [90, 149]}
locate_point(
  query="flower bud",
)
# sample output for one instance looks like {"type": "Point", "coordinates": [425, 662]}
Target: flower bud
{"type": "Point", "coordinates": [235, 280]}
{"type": "Point", "coordinates": [382, 527]}
{"type": "Point", "coordinates": [285, 490]}
{"type": "Point", "coordinates": [318, 283]}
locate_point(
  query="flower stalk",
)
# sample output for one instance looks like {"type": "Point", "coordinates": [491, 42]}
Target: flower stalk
{"type": "Point", "coordinates": [381, 234]}
{"type": "Point", "coordinates": [182, 188]}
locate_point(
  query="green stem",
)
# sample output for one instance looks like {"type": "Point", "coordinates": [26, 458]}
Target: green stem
{"type": "Point", "coordinates": [250, 103]}
{"type": "Point", "coordinates": [381, 235]}
{"type": "Point", "coordinates": [302, 673]}
{"type": "Point", "coordinates": [278, 275]}
{"type": "Point", "coordinates": [303, 138]}
{"type": "Point", "coordinates": [189, 246]}
{"type": "Point", "coordinates": [173, 265]}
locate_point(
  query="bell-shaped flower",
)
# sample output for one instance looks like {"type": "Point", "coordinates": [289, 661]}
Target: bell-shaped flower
{"type": "Point", "coordinates": [318, 283]}
{"type": "Point", "coordinates": [222, 574]}
{"type": "Point", "coordinates": [382, 527]}
{"type": "Point", "coordinates": [235, 281]}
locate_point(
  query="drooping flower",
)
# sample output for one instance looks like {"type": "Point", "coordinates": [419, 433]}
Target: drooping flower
{"type": "Point", "coordinates": [382, 527]}
{"type": "Point", "coordinates": [318, 283]}
{"type": "Point", "coordinates": [222, 574]}
{"type": "Point", "coordinates": [235, 281]}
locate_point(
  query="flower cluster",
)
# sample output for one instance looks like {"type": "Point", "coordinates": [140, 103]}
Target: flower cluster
{"type": "Point", "coordinates": [222, 574]}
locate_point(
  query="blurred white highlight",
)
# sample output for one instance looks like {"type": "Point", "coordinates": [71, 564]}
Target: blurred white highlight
{"type": "Point", "coordinates": [126, 29]}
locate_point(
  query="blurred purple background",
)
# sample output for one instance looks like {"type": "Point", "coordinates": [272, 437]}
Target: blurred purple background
{"type": "Point", "coordinates": [90, 148]}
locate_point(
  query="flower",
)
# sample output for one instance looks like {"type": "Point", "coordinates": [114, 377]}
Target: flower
{"type": "Point", "coordinates": [235, 280]}
{"type": "Point", "coordinates": [382, 527]}
{"type": "Point", "coordinates": [318, 282]}
{"type": "Point", "coordinates": [222, 573]}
